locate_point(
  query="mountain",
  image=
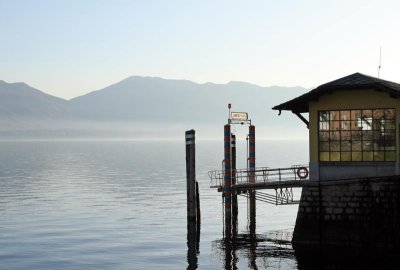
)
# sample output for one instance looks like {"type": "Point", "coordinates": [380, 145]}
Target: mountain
{"type": "Point", "coordinates": [21, 100]}
{"type": "Point", "coordinates": [23, 108]}
{"type": "Point", "coordinates": [139, 106]}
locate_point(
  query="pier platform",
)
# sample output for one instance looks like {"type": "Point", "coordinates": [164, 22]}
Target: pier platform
{"type": "Point", "coordinates": [281, 180]}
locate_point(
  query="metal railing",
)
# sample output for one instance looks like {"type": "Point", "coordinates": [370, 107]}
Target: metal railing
{"type": "Point", "coordinates": [261, 175]}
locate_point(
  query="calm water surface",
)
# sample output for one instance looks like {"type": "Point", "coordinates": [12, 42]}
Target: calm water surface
{"type": "Point", "coordinates": [122, 205]}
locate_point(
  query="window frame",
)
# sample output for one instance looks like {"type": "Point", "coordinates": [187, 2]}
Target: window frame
{"type": "Point", "coordinates": [366, 128]}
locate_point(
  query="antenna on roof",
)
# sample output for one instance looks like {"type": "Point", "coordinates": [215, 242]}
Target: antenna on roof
{"type": "Point", "coordinates": [380, 61]}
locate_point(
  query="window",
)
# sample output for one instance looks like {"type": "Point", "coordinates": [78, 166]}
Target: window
{"type": "Point", "coordinates": [357, 135]}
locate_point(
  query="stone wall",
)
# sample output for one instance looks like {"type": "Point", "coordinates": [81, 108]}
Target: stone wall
{"type": "Point", "coordinates": [358, 214]}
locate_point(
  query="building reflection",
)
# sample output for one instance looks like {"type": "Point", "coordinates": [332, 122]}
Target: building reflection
{"type": "Point", "coordinates": [343, 259]}
{"type": "Point", "coordinates": [256, 251]}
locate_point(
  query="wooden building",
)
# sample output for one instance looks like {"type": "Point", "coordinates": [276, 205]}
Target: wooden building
{"type": "Point", "coordinates": [353, 127]}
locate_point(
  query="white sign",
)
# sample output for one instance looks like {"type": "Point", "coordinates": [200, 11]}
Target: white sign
{"type": "Point", "coordinates": [239, 116]}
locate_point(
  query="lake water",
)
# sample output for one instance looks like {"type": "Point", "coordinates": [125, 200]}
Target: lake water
{"type": "Point", "coordinates": [122, 205]}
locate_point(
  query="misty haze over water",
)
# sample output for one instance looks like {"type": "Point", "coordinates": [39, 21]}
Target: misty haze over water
{"type": "Point", "coordinates": [144, 108]}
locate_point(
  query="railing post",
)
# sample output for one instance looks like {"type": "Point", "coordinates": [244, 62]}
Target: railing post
{"type": "Point", "coordinates": [279, 173]}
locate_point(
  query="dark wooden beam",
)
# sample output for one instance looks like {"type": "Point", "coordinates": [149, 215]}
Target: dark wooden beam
{"type": "Point", "coordinates": [305, 121]}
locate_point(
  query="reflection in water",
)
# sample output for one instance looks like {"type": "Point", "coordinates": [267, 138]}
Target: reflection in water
{"type": "Point", "coordinates": [193, 243]}
{"type": "Point", "coordinates": [343, 259]}
{"type": "Point", "coordinates": [260, 250]}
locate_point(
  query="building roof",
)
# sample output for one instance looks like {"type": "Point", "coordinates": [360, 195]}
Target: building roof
{"type": "Point", "coordinates": [356, 81]}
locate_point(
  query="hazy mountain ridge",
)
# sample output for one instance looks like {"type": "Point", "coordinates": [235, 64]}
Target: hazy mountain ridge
{"type": "Point", "coordinates": [138, 105]}
{"type": "Point", "coordinates": [19, 99]}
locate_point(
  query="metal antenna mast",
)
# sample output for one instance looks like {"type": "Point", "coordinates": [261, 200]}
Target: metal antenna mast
{"type": "Point", "coordinates": [380, 61]}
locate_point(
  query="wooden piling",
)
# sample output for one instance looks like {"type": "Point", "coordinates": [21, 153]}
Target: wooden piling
{"type": "Point", "coordinates": [227, 181]}
{"type": "Point", "coordinates": [191, 176]}
{"type": "Point", "coordinates": [234, 194]}
{"type": "Point", "coordinates": [198, 215]}
{"type": "Point", "coordinates": [252, 179]}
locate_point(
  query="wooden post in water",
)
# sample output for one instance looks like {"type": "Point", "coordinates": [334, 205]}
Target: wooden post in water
{"type": "Point", "coordinates": [227, 181]}
{"type": "Point", "coordinates": [191, 176]}
{"type": "Point", "coordinates": [234, 194]}
{"type": "Point", "coordinates": [252, 178]}
{"type": "Point", "coordinates": [193, 201]}
{"type": "Point", "coordinates": [198, 215]}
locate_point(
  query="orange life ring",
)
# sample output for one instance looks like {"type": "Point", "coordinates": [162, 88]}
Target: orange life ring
{"type": "Point", "coordinates": [302, 172]}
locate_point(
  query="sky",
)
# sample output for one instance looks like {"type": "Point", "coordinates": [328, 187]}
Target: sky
{"type": "Point", "coordinates": [69, 48]}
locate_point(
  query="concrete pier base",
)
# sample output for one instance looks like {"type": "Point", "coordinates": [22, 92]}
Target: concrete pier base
{"type": "Point", "coordinates": [358, 215]}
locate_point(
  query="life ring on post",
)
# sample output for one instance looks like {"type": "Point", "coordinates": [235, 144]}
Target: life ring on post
{"type": "Point", "coordinates": [302, 172]}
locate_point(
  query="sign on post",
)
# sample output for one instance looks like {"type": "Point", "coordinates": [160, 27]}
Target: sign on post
{"type": "Point", "coordinates": [239, 116]}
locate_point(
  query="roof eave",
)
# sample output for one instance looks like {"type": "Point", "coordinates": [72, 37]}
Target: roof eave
{"type": "Point", "coordinates": [300, 103]}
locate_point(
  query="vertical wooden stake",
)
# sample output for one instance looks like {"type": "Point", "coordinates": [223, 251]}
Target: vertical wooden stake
{"type": "Point", "coordinates": [191, 175]}
{"type": "Point", "coordinates": [227, 181]}
{"type": "Point", "coordinates": [252, 179]}
{"type": "Point", "coordinates": [193, 201]}
{"type": "Point", "coordinates": [234, 195]}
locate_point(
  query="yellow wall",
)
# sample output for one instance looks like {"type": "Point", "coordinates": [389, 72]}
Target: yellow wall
{"type": "Point", "coordinates": [349, 99]}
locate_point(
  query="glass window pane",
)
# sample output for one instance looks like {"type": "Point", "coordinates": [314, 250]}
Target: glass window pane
{"type": "Point", "coordinates": [390, 135]}
{"type": "Point", "coordinates": [345, 125]}
{"type": "Point", "coordinates": [355, 125]}
{"type": "Point", "coordinates": [367, 114]}
{"type": "Point", "coordinates": [378, 113]}
{"type": "Point", "coordinates": [334, 125]}
{"type": "Point", "coordinates": [324, 146]}
{"type": "Point", "coordinates": [378, 124]}
{"type": "Point", "coordinates": [366, 119]}
{"type": "Point", "coordinates": [345, 156]}
{"type": "Point", "coordinates": [355, 114]}
{"type": "Point", "coordinates": [378, 135]}
{"type": "Point", "coordinates": [334, 135]}
{"type": "Point", "coordinates": [390, 147]}
{"type": "Point", "coordinates": [344, 115]}
{"type": "Point", "coordinates": [334, 146]}
{"type": "Point", "coordinates": [356, 156]}
{"type": "Point", "coordinates": [389, 124]}
{"type": "Point", "coordinates": [379, 145]}
{"type": "Point", "coordinates": [345, 135]}
{"type": "Point", "coordinates": [324, 156]}
{"type": "Point", "coordinates": [368, 156]}
{"type": "Point", "coordinates": [368, 135]}
{"type": "Point", "coordinates": [356, 135]}
{"type": "Point", "coordinates": [334, 156]}
{"type": "Point", "coordinates": [390, 156]}
{"type": "Point", "coordinates": [323, 136]}
{"type": "Point", "coordinates": [367, 145]}
{"type": "Point", "coordinates": [324, 116]}
{"type": "Point", "coordinates": [390, 114]}
{"type": "Point", "coordinates": [356, 146]}
{"type": "Point", "coordinates": [345, 146]}
{"type": "Point", "coordinates": [379, 156]}
{"type": "Point", "coordinates": [334, 115]}
{"type": "Point", "coordinates": [324, 125]}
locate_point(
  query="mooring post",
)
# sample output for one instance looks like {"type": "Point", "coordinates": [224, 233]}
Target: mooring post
{"type": "Point", "coordinates": [191, 176]}
{"type": "Point", "coordinates": [227, 181]}
{"type": "Point", "coordinates": [252, 178]}
{"type": "Point", "coordinates": [198, 214]}
{"type": "Point", "coordinates": [234, 194]}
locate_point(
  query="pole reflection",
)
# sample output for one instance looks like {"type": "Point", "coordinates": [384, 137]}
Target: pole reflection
{"type": "Point", "coordinates": [193, 244]}
{"type": "Point", "coordinates": [255, 251]}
